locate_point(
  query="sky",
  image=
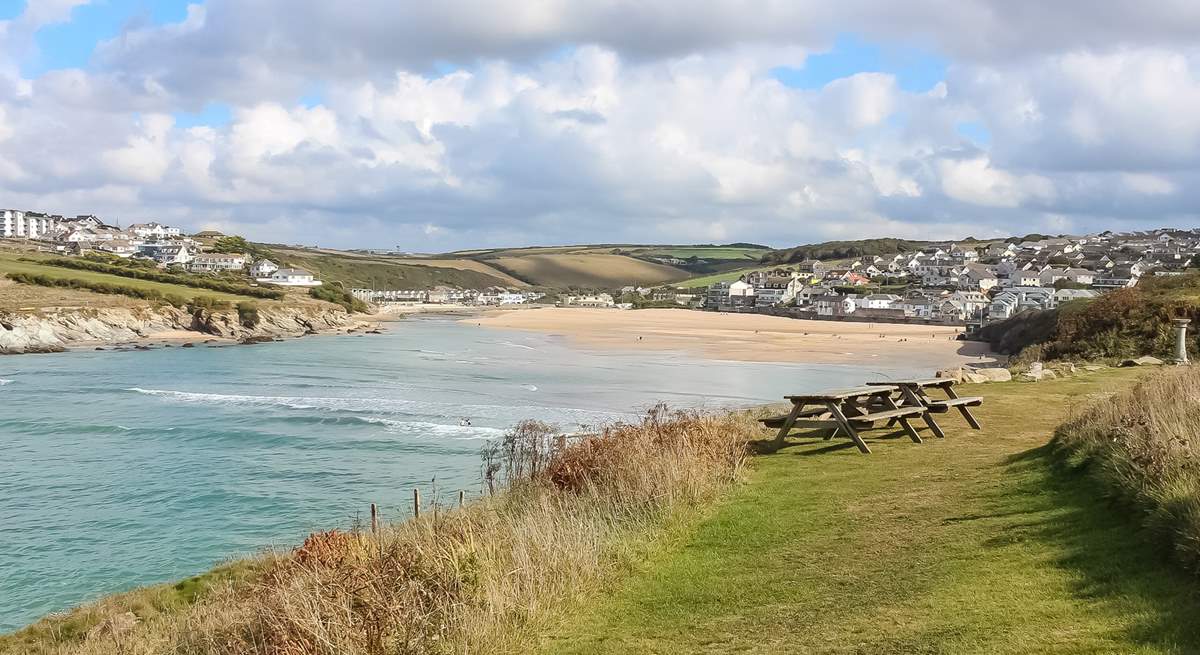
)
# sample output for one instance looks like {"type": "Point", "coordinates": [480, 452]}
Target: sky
{"type": "Point", "coordinates": [459, 124]}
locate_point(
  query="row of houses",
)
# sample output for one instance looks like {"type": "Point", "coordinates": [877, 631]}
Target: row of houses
{"type": "Point", "coordinates": [447, 296]}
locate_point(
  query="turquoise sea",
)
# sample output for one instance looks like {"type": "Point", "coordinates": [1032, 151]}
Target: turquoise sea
{"type": "Point", "coordinates": [120, 469]}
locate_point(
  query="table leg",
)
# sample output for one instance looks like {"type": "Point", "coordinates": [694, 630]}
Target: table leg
{"type": "Point", "coordinates": [915, 399]}
{"type": "Point", "coordinates": [903, 420]}
{"type": "Point", "coordinates": [845, 426]}
{"type": "Point", "coordinates": [962, 408]}
{"type": "Point", "coordinates": [797, 407]}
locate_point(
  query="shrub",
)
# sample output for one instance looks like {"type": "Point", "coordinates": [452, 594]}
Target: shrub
{"type": "Point", "coordinates": [248, 314]}
{"type": "Point", "coordinates": [1144, 447]}
{"type": "Point", "coordinates": [339, 296]}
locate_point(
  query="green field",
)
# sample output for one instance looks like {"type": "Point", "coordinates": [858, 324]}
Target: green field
{"type": "Point", "coordinates": [728, 276]}
{"type": "Point", "coordinates": [978, 543]}
{"type": "Point", "coordinates": [9, 264]}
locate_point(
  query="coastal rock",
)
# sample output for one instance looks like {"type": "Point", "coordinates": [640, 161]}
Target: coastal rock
{"type": "Point", "coordinates": [971, 377]}
{"type": "Point", "coordinates": [55, 330]}
{"type": "Point", "coordinates": [1144, 360]}
{"type": "Point", "coordinates": [993, 374]}
{"type": "Point", "coordinates": [955, 374]}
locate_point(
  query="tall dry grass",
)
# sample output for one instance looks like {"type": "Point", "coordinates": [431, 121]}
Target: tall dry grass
{"type": "Point", "coordinates": [567, 515]}
{"type": "Point", "coordinates": [1144, 445]}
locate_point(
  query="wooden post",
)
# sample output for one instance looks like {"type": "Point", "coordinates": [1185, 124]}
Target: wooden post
{"type": "Point", "coordinates": [416, 503]}
{"type": "Point", "coordinates": [462, 499]}
{"type": "Point", "coordinates": [374, 520]}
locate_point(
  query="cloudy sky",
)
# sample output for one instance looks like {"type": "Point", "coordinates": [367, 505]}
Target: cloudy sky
{"type": "Point", "coordinates": [461, 123]}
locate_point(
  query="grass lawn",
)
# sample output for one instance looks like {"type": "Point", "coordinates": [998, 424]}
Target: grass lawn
{"type": "Point", "coordinates": [977, 543]}
{"type": "Point", "coordinates": [9, 264]}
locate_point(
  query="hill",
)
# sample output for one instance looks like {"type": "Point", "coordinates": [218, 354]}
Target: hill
{"type": "Point", "coordinates": [1120, 324]}
{"type": "Point", "coordinates": [843, 250]}
{"type": "Point", "coordinates": [586, 270]}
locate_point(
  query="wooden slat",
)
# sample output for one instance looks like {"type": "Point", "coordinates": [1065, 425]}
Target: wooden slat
{"type": "Point", "coordinates": [887, 413]}
{"type": "Point", "coordinates": [916, 382]}
{"type": "Point", "coordinates": [842, 394]}
{"type": "Point", "coordinates": [969, 401]}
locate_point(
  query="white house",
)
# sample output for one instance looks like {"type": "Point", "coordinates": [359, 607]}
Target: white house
{"type": "Point", "coordinates": [17, 224]}
{"type": "Point", "coordinates": [263, 268]}
{"type": "Point", "coordinates": [292, 277]}
{"type": "Point", "coordinates": [590, 300]}
{"type": "Point", "coordinates": [217, 262]}
{"type": "Point", "coordinates": [154, 231]}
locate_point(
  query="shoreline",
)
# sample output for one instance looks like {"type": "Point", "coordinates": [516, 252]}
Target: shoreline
{"type": "Point", "coordinates": [750, 337]}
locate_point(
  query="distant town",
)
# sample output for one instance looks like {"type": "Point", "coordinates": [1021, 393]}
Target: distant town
{"type": "Point", "coordinates": [968, 283]}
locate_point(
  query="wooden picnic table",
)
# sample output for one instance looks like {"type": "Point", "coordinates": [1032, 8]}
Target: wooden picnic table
{"type": "Point", "coordinates": [841, 410]}
{"type": "Point", "coordinates": [914, 392]}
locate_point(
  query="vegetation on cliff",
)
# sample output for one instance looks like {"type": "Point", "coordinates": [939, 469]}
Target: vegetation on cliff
{"type": "Point", "coordinates": [154, 275]}
{"type": "Point", "coordinates": [1143, 445]}
{"type": "Point", "coordinates": [478, 579]}
{"type": "Point", "coordinates": [1119, 324]}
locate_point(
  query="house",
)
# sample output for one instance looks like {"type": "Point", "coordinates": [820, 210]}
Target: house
{"type": "Point", "coordinates": [153, 231]}
{"type": "Point", "coordinates": [730, 294]}
{"type": "Point", "coordinates": [1067, 295]}
{"type": "Point", "coordinates": [292, 277]}
{"type": "Point", "coordinates": [834, 305]}
{"type": "Point", "coordinates": [1080, 275]}
{"type": "Point", "coordinates": [1117, 277]}
{"type": "Point", "coordinates": [1010, 302]}
{"type": "Point", "coordinates": [167, 254]}
{"type": "Point", "coordinates": [776, 287]}
{"type": "Point", "coordinates": [977, 276]}
{"type": "Point", "coordinates": [118, 247]}
{"type": "Point", "coordinates": [209, 262]}
{"type": "Point", "coordinates": [596, 300]}
{"type": "Point", "coordinates": [880, 300]}
{"type": "Point", "coordinates": [17, 224]}
{"type": "Point", "coordinates": [263, 268]}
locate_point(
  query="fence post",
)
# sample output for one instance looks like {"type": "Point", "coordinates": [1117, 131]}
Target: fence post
{"type": "Point", "coordinates": [462, 498]}
{"type": "Point", "coordinates": [416, 503]}
{"type": "Point", "coordinates": [374, 520]}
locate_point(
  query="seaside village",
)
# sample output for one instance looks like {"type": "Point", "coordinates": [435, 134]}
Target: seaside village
{"type": "Point", "coordinates": [966, 284]}
{"type": "Point", "coordinates": [170, 248]}
{"type": "Point", "coordinates": [961, 283]}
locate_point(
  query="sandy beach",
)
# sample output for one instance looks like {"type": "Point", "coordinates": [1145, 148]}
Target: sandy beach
{"type": "Point", "coordinates": [749, 337]}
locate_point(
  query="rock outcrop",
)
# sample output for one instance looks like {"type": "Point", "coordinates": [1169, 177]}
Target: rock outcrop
{"type": "Point", "coordinates": [56, 330]}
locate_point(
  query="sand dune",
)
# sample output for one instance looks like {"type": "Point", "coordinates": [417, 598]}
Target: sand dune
{"type": "Point", "coordinates": [749, 337]}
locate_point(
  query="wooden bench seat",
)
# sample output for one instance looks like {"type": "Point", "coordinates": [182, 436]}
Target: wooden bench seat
{"type": "Point", "coordinates": [885, 414]}
{"type": "Point", "coordinates": [777, 421]}
{"type": "Point", "coordinates": [940, 406]}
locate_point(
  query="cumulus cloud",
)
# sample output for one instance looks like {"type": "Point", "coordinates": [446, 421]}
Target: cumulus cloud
{"type": "Point", "coordinates": [444, 125]}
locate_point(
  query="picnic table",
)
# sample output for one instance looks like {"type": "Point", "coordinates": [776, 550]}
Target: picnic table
{"type": "Point", "coordinates": [842, 410]}
{"type": "Point", "coordinates": [915, 393]}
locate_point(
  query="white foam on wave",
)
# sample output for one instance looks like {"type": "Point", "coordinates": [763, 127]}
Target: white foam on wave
{"type": "Point", "coordinates": [516, 345]}
{"type": "Point", "coordinates": [4, 382]}
{"type": "Point", "coordinates": [423, 428]}
{"type": "Point", "coordinates": [529, 387]}
{"type": "Point", "coordinates": [390, 406]}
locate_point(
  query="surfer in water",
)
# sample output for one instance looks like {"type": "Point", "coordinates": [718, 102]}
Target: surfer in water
{"type": "Point", "coordinates": [464, 422]}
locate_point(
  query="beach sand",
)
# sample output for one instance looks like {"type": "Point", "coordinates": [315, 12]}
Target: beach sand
{"type": "Point", "coordinates": [749, 337]}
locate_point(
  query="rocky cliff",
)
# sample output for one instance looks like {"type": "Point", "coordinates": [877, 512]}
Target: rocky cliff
{"type": "Point", "coordinates": [56, 330]}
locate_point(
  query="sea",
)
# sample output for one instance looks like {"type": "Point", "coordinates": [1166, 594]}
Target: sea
{"type": "Point", "coordinates": [125, 468]}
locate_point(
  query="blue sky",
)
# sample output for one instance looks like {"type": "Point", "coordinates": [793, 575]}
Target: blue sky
{"type": "Point", "coordinates": [916, 71]}
{"type": "Point", "coordinates": [70, 44]}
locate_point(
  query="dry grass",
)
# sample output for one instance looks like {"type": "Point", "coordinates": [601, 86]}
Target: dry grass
{"type": "Point", "coordinates": [1144, 444]}
{"type": "Point", "coordinates": [571, 514]}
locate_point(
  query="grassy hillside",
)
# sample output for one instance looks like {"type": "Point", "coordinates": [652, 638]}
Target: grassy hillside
{"type": "Point", "coordinates": [637, 541]}
{"type": "Point", "coordinates": [588, 270]}
{"type": "Point", "coordinates": [977, 543]}
{"type": "Point", "coordinates": [16, 298]}
{"type": "Point", "coordinates": [355, 270]}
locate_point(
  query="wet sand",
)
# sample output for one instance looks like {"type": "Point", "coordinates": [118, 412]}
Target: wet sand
{"type": "Point", "coordinates": [749, 337]}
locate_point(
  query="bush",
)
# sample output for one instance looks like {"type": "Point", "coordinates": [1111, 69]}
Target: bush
{"type": "Point", "coordinates": [248, 314]}
{"type": "Point", "coordinates": [339, 296]}
{"type": "Point", "coordinates": [1144, 447]}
